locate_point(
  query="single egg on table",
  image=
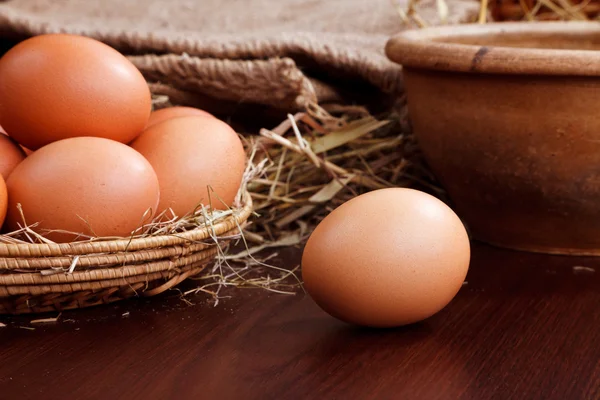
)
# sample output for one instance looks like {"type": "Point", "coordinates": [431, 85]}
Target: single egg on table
{"type": "Point", "coordinates": [387, 258]}
{"type": "Point", "coordinates": [58, 86]}
{"type": "Point", "coordinates": [175, 112]}
{"type": "Point", "coordinates": [191, 155]}
{"type": "Point", "coordinates": [86, 185]}
{"type": "Point", "coordinates": [11, 154]}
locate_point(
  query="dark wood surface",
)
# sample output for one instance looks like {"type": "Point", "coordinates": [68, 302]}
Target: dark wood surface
{"type": "Point", "coordinates": [525, 326]}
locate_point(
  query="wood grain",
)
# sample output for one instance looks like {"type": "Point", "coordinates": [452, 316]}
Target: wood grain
{"type": "Point", "coordinates": [524, 327]}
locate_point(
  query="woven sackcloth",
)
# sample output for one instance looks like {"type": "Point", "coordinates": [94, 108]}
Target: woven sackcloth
{"type": "Point", "coordinates": [273, 53]}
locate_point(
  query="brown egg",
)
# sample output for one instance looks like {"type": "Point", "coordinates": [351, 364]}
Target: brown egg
{"type": "Point", "coordinates": [3, 201]}
{"type": "Point", "coordinates": [10, 154]}
{"type": "Point", "coordinates": [189, 154]}
{"type": "Point", "coordinates": [386, 258]}
{"type": "Point", "coordinates": [93, 186]}
{"type": "Point", "coordinates": [59, 86]}
{"type": "Point", "coordinates": [174, 112]}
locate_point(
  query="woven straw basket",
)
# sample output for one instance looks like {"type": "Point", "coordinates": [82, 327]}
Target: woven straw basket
{"type": "Point", "coordinates": [38, 278]}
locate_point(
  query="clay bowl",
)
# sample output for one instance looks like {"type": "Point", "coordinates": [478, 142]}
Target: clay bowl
{"type": "Point", "coordinates": [508, 117]}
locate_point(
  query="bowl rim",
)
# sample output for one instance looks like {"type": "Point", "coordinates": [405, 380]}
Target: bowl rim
{"type": "Point", "coordinates": [419, 49]}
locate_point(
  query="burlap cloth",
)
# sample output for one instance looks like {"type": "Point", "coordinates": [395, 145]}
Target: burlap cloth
{"type": "Point", "coordinates": [278, 54]}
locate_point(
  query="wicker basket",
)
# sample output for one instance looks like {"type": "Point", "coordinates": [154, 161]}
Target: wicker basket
{"type": "Point", "coordinates": [38, 278]}
{"type": "Point", "coordinates": [515, 10]}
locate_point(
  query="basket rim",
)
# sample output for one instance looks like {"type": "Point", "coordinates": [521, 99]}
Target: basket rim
{"type": "Point", "coordinates": [34, 250]}
{"type": "Point", "coordinates": [432, 48]}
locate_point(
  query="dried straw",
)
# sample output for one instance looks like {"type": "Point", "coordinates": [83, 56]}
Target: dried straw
{"type": "Point", "coordinates": [319, 159]}
{"type": "Point", "coordinates": [410, 14]}
{"type": "Point", "coordinates": [565, 10]}
{"type": "Point", "coordinates": [46, 320]}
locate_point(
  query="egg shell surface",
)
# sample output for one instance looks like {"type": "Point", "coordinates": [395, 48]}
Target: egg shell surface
{"type": "Point", "coordinates": [189, 154]}
{"type": "Point", "coordinates": [11, 154]}
{"type": "Point", "coordinates": [3, 201]}
{"type": "Point", "coordinates": [88, 185]}
{"type": "Point", "coordinates": [386, 258]}
{"type": "Point", "coordinates": [58, 86]}
{"type": "Point", "coordinates": [175, 112]}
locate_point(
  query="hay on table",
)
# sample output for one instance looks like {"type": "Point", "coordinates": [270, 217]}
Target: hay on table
{"type": "Point", "coordinates": [319, 159]}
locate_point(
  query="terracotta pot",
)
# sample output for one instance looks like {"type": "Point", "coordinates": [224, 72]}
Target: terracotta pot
{"type": "Point", "coordinates": [508, 117]}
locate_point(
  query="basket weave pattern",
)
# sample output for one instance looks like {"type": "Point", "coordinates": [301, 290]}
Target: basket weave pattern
{"type": "Point", "coordinates": [54, 277]}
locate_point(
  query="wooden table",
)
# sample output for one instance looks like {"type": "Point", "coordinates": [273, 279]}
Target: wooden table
{"type": "Point", "coordinates": [525, 326]}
